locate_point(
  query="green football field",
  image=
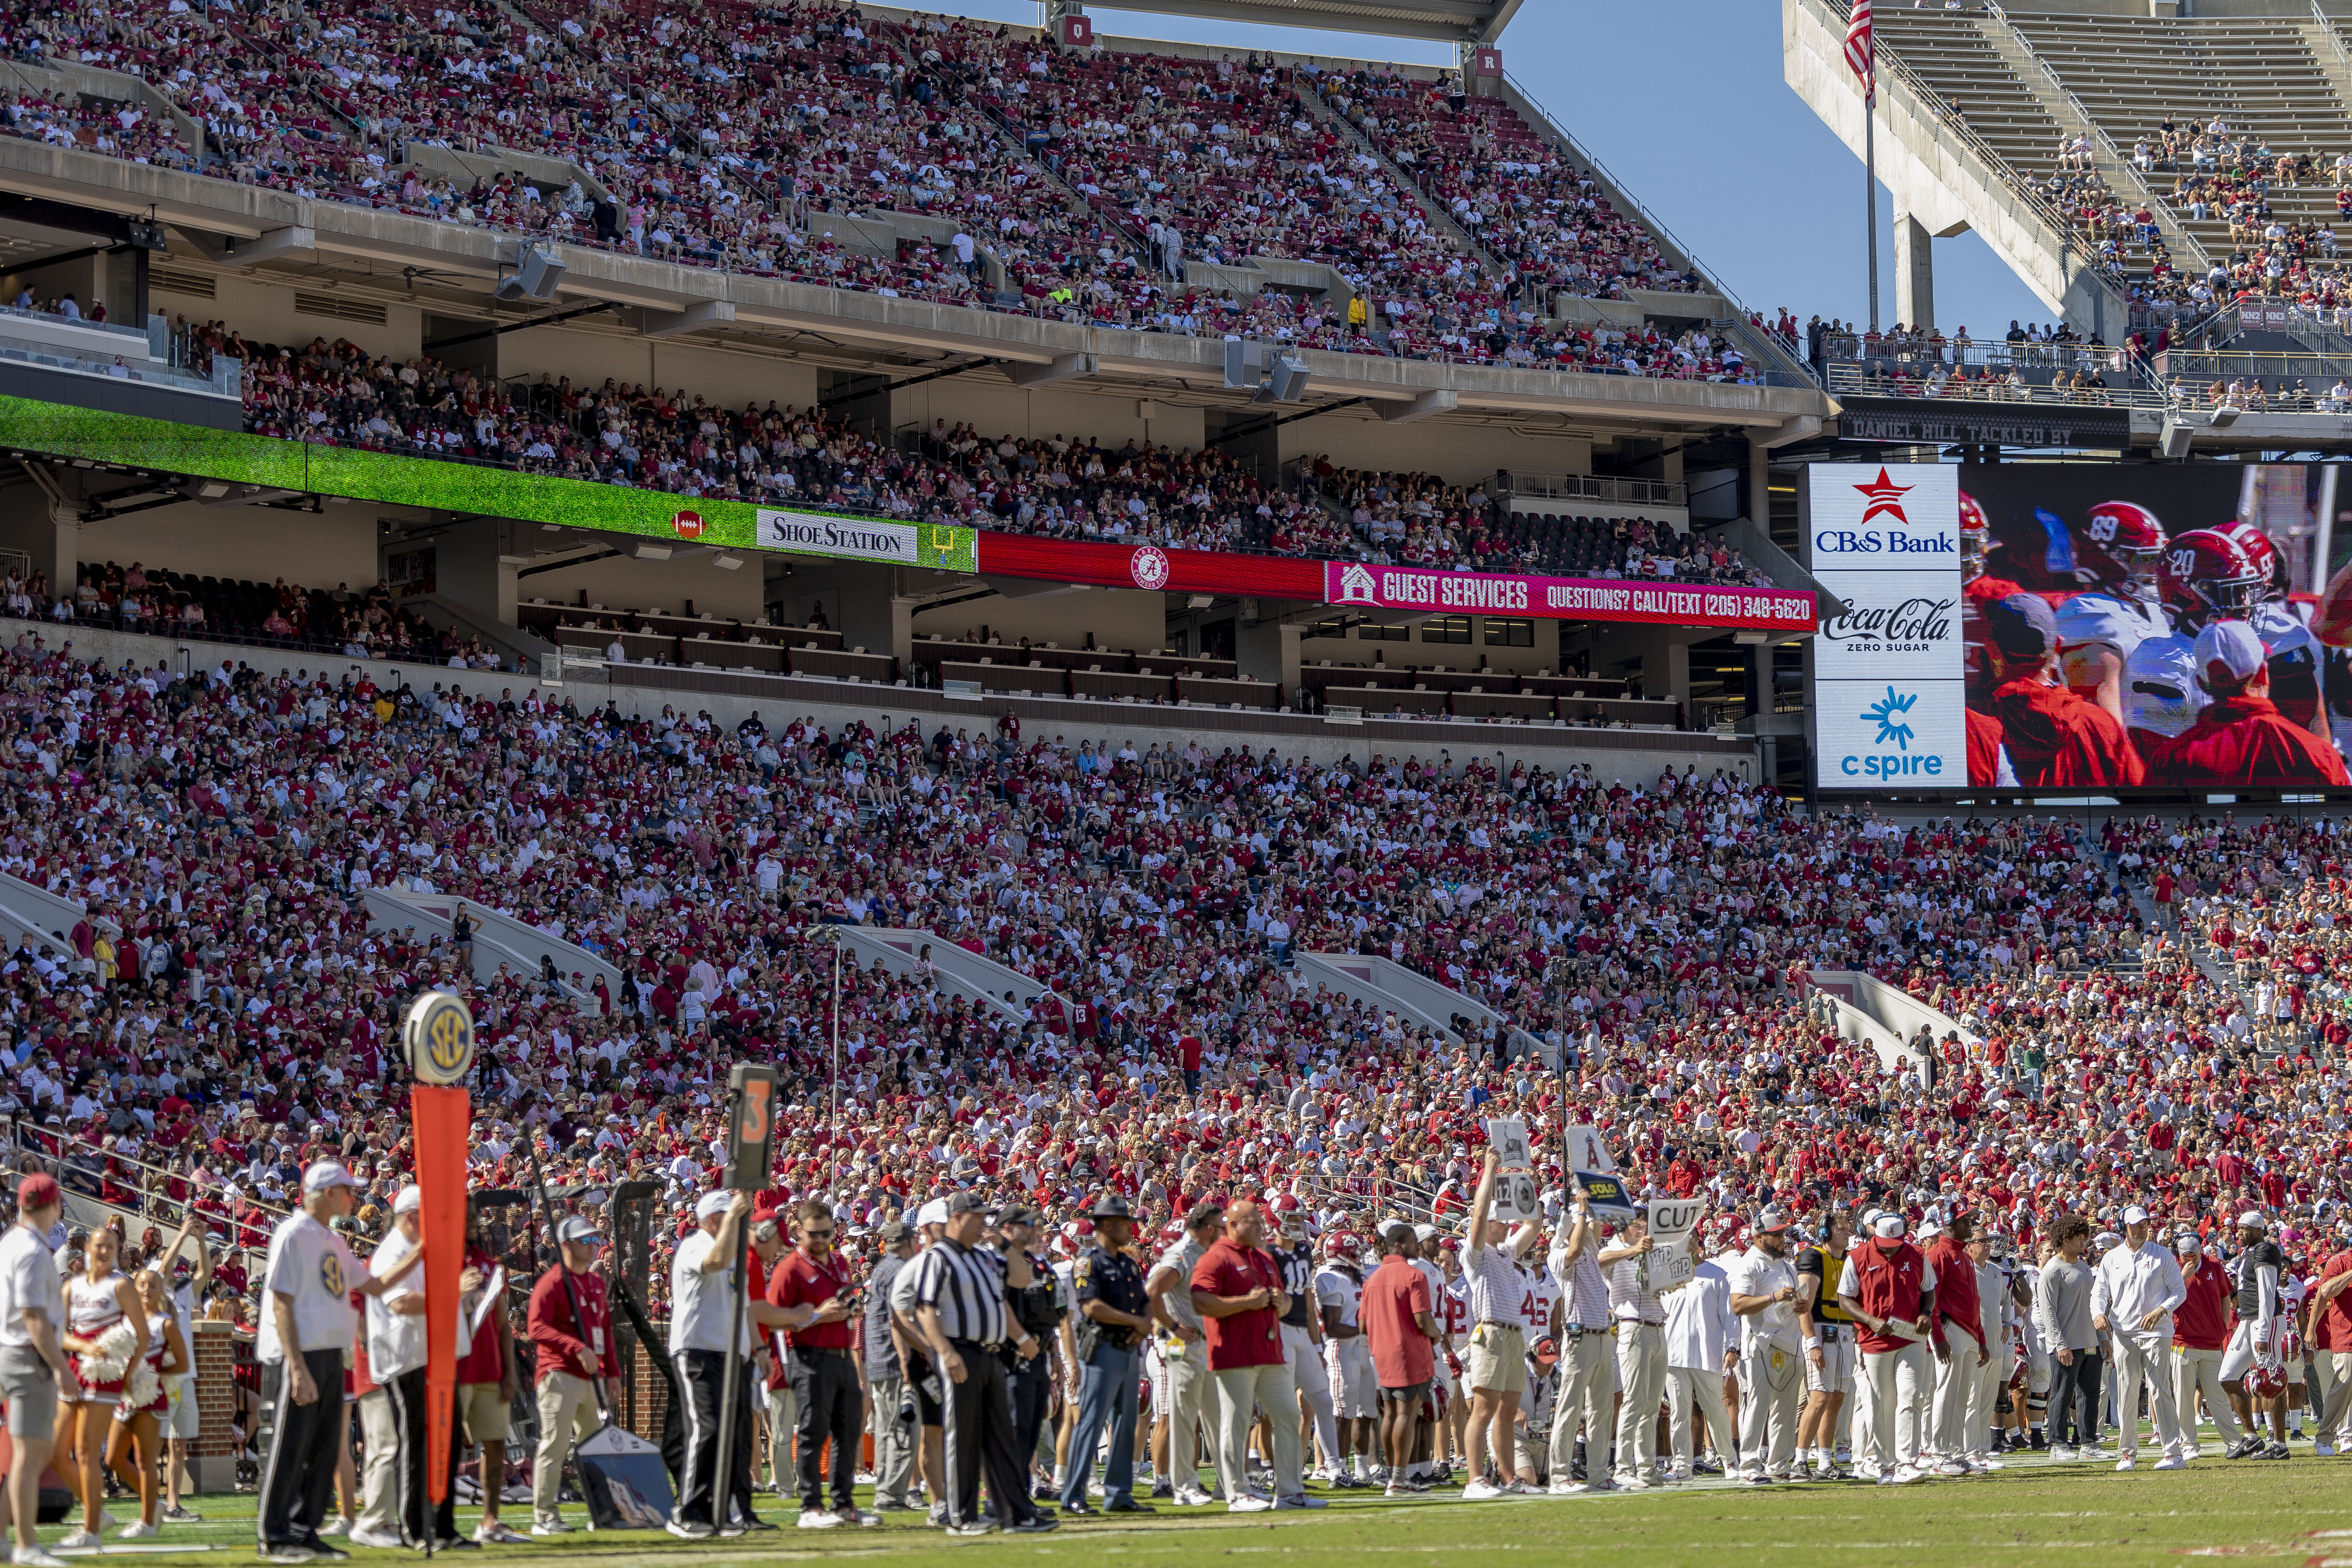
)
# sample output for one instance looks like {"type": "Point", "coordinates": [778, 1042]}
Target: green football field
{"type": "Point", "coordinates": [2299, 1510]}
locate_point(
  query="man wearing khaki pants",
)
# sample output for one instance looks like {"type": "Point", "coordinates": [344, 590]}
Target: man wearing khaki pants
{"type": "Point", "coordinates": [1496, 1363]}
{"type": "Point", "coordinates": [1184, 1338]}
{"type": "Point", "coordinates": [2330, 1337]}
{"type": "Point", "coordinates": [1587, 1373]}
{"type": "Point", "coordinates": [1641, 1354]}
{"type": "Point", "coordinates": [570, 1321]}
{"type": "Point", "coordinates": [1237, 1290]}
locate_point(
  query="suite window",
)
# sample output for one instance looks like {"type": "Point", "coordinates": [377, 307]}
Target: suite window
{"type": "Point", "coordinates": [1510, 631]}
{"type": "Point", "coordinates": [1446, 628]}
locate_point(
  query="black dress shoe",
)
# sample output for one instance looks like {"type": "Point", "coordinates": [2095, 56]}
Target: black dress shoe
{"type": "Point", "coordinates": [1128, 1505]}
{"type": "Point", "coordinates": [1080, 1509]}
{"type": "Point", "coordinates": [1038, 1526]}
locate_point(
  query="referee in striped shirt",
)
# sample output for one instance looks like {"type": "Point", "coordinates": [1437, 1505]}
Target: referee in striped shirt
{"type": "Point", "coordinates": [960, 1304]}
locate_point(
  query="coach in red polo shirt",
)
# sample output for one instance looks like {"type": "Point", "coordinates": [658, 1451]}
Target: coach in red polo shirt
{"type": "Point", "coordinates": [828, 1387]}
{"type": "Point", "coordinates": [2331, 1342]}
{"type": "Point", "coordinates": [2201, 1328]}
{"type": "Point", "coordinates": [1237, 1291]}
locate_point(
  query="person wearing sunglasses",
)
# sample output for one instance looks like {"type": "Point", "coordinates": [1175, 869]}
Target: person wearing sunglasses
{"type": "Point", "coordinates": [821, 1362]}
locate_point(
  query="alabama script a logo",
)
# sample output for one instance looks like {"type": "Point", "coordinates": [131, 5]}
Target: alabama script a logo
{"type": "Point", "coordinates": [1884, 495]}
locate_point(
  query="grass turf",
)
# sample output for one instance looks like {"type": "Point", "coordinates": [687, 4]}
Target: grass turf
{"type": "Point", "coordinates": [2300, 1510]}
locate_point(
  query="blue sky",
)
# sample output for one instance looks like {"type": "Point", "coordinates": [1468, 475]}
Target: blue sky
{"type": "Point", "coordinates": [1740, 170]}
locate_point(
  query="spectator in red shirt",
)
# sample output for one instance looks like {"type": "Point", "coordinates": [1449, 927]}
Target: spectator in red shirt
{"type": "Point", "coordinates": [573, 1330]}
{"type": "Point", "coordinates": [821, 1362]}
{"type": "Point", "coordinates": [486, 1392]}
{"type": "Point", "coordinates": [1397, 1317]}
{"type": "Point", "coordinates": [1237, 1290]}
{"type": "Point", "coordinates": [2200, 1331]}
{"type": "Point", "coordinates": [2052, 737]}
{"type": "Point", "coordinates": [2241, 737]}
{"type": "Point", "coordinates": [2331, 1342]}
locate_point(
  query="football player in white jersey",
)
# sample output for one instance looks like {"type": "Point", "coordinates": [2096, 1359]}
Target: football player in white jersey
{"type": "Point", "coordinates": [1346, 1356]}
{"type": "Point", "coordinates": [2119, 554]}
{"type": "Point", "coordinates": [2296, 672]}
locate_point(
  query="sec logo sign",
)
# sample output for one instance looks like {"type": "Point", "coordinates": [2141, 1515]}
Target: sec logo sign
{"type": "Point", "coordinates": [687, 524]}
{"type": "Point", "coordinates": [439, 1036]}
{"type": "Point", "coordinates": [1149, 567]}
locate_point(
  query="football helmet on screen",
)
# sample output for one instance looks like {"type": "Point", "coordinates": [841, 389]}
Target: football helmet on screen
{"type": "Point", "coordinates": [2208, 573]}
{"type": "Point", "coordinates": [2120, 548]}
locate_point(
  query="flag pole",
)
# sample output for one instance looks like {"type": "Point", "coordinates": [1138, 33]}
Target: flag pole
{"type": "Point", "coordinates": [1870, 179]}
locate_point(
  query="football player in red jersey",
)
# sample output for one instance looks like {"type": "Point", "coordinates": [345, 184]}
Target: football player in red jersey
{"type": "Point", "coordinates": [2118, 556]}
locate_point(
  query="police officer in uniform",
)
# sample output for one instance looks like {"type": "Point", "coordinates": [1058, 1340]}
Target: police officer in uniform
{"type": "Point", "coordinates": [1039, 1308]}
{"type": "Point", "coordinates": [1107, 1283]}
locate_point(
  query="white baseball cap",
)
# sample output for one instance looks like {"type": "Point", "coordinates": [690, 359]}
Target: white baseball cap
{"type": "Point", "coordinates": [1887, 1225]}
{"type": "Point", "coordinates": [932, 1213]}
{"type": "Point", "coordinates": [2135, 1215]}
{"type": "Point", "coordinates": [327, 1174]}
{"type": "Point", "coordinates": [407, 1199]}
{"type": "Point", "coordinates": [711, 1204]}
{"type": "Point", "coordinates": [2228, 653]}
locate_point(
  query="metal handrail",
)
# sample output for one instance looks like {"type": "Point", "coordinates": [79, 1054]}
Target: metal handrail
{"type": "Point", "coordinates": [2098, 133]}
{"type": "Point", "coordinates": [64, 1149]}
{"type": "Point", "coordinates": [1851, 378]}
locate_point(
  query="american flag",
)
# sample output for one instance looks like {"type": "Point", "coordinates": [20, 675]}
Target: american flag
{"type": "Point", "coordinates": [1862, 50]}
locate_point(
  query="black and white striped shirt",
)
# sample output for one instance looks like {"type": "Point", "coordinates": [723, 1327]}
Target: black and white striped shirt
{"type": "Point", "coordinates": [966, 1286]}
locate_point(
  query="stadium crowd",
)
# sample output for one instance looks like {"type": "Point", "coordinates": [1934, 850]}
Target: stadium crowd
{"type": "Point", "coordinates": [225, 1012]}
{"type": "Point", "coordinates": [1074, 185]}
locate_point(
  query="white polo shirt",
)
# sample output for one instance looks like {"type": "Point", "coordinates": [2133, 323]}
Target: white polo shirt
{"type": "Point", "coordinates": [313, 1266]}
{"type": "Point", "coordinates": [28, 1280]}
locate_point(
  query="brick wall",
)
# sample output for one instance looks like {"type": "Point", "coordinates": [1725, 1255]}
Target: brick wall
{"type": "Point", "coordinates": [212, 1457]}
{"type": "Point", "coordinates": [641, 1375]}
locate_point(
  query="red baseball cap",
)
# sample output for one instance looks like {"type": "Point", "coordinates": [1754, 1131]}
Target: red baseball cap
{"type": "Point", "coordinates": [38, 1191]}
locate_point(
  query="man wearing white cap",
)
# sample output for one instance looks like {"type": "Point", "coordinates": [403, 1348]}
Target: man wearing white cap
{"type": "Point", "coordinates": [2134, 1292]}
{"type": "Point", "coordinates": [306, 1323]}
{"type": "Point", "coordinates": [395, 1331]}
{"type": "Point", "coordinates": [1763, 1281]}
{"type": "Point", "coordinates": [1888, 1287]}
{"type": "Point", "coordinates": [2241, 737]}
{"type": "Point", "coordinates": [2256, 1271]}
{"type": "Point", "coordinates": [2201, 1332]}
{"type": "Point", "coordinates": [710, 1486]}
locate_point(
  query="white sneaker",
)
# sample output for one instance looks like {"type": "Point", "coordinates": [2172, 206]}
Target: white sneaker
{"type": "Point", "coordinates": [2061, 1454]}
{"type": "Point", "coordinates": [1480, 1491]}
{"type": "Point", "coordinates": [140, 1529]}
{"type": "Point", "coordinates": [1904, 1475]}
{"type": "Point", "coordinates": [2129, 1462]}
{"type": "Point", "coordinates": [35, 1557]}
{"type": "Point", "coordinates": [1249, 1503]}
{"type": "Point", "coordinates": [79, 1540]}
{"type": "Point", "coordinates": [378, 1540]}
{"type": "Point", "coordinates": [549, 1527]}
{"type": "Point", "coordinates": [2171, 1462]}
{"type": "Point", "coordinates": [819, 1519]}
{"type": "Point", "coordinates": [1951, 1469]}
{"type": "Point", "coordinates": [1192, 1496]}
{"type": "Point", "coordinates": [334, 1527]}
{"type": "Point", "coordinates": [2321, 1448]}
{"type": "Point", "coordinates": [1567, 1489]}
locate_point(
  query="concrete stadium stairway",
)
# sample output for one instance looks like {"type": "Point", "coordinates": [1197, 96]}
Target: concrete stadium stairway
{"type": "Point", "coordinates": [28, 909]}
{"type": "Point", "coordinates": [2259, 74]}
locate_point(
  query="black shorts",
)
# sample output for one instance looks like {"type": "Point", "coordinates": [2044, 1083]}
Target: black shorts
{"type": "Point", "coordinates": [921, 1378]}
{"type": "Point", "coordinates": [1412, 1394]}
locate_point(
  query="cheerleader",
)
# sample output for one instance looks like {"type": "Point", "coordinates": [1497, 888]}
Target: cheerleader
{"type": "Point", "coordinates": [105, 1333]}
{"type": "Point", "coordinates": [139, 1416]}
